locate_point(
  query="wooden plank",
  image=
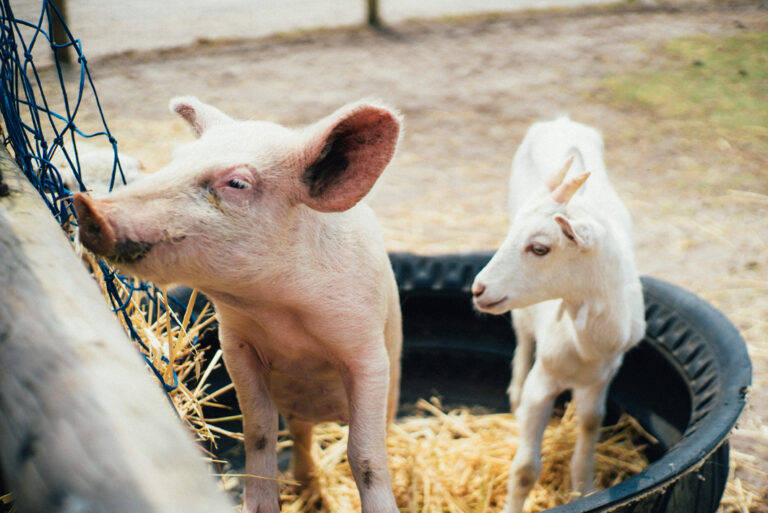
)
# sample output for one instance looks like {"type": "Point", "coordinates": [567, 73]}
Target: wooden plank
{"type": "Point", "coordinates": [83, 425]}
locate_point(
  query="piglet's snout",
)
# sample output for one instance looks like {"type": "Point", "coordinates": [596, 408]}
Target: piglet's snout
{"type": "Point", "coordinates": [95, 232]}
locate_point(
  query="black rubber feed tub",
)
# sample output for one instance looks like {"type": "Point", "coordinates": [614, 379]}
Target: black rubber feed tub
{"type": "Point", "coordinates": [686, 382]}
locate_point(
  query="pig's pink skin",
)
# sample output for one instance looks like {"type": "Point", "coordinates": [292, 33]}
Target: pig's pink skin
{"type": "Point", "coordinates": [296, 267]}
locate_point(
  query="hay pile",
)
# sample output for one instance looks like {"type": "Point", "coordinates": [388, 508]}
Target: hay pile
{"type": "Point", "coordinates": [168, 343]}
{"type": "Point", "coordinates": [6, 503]}
{"type": "Point", "coordinates": [459, 462]}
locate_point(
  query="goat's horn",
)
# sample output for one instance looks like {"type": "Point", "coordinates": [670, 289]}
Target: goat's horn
{"type": "Point", "coordinates": [565, 191]}
{"type": "Point", "coordinates": [557, 178]}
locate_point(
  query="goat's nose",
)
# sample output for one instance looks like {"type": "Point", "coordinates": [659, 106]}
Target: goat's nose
{"type": "Point", "coordinates": [95, 232]}
{"type": "Point", "coordinates": [477, 289]}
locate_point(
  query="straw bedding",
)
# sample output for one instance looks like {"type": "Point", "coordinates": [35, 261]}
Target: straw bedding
{"type": "Point", "coordinates": [457, 461]}
{"type": "Point", "coordinates": [168, 343]}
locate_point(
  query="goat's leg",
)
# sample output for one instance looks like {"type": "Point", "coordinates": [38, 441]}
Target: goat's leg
{"type": "Point", "coordinates": [532, 415]}
{"type": "Point", "coordinates": [523, 359]}
{"type": "Point", "coordinates": [590, 410]}
{"type": "Point", "coordinates": [301, 462]}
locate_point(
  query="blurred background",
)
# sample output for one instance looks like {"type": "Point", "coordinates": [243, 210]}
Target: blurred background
{"type": "Point", "coordinates": [679, 90]}
{"type": "Point", "coordinates": [147, 25]}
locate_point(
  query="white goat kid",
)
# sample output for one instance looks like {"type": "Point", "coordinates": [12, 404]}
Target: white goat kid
{"type": "Point", "coordinates": [567, 269]}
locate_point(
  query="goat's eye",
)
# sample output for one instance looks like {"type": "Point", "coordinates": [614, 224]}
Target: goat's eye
{"type": "Point", "coordinates": [237, 184]}
{"type": "Point", "coordinates": [538, 249]}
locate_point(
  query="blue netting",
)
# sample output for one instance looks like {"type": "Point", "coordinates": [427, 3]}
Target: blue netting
{"type": "Point", "coordinates": [40, 103]}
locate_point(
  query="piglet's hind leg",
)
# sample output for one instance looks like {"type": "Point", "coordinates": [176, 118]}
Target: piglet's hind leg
{"type": "Point", "coordinates": [302, 465]}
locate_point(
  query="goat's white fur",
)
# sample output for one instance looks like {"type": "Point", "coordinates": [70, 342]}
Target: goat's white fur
{"type": "Point", "coordinates": [96, 166]}
{"type": "Point", "coordinates": [580, 304]}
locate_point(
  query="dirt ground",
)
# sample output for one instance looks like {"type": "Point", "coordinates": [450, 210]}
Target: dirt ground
{"type": "Point", "coordinates": [469, 88]}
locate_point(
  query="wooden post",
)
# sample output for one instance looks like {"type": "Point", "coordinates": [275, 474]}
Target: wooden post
{"type": "Point", "coordinates": [83, 425]}
{"type": "Point", "coordinates": [373, 13]}
{"type": "Point", "coordinates": [59, 35]}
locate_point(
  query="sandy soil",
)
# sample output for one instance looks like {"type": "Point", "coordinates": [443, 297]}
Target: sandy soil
{"type": "Point", "coordinates": [469, 89]}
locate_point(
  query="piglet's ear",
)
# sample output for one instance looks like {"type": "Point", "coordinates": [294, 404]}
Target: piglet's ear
{"type": "Point", "coordinates": [347, 151]}
{"type": "Point", "coordinates": [583, 234]}
{"type": "Point", "coordinates": [198, 114]}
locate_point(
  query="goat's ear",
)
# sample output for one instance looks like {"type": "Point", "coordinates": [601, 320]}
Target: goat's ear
{"type": "Point", "coordinates": [199, 115]}
{"type": "Point", "coordinates": [581, 233]}
{"type": "Point", "coordinates": [347, 152]}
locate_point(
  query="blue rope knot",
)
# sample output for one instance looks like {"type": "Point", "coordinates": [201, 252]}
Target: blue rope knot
{"type": "Point", "coordinates": [81, 59]}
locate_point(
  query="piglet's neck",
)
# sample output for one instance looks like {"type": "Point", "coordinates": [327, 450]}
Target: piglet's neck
{"type": "Point", "coordinates": [283, 264]}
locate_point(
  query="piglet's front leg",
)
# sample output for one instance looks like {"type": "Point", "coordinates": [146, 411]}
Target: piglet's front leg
{"type": "Point", "coordinates": [366, 380]}
{"type": "Point", "coordinates": [260, 423]}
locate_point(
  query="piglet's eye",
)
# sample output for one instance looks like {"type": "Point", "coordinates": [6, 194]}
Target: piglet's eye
{"type": "Point", "coordinates": [237, 184]}
{"type": "Point", "coordinates": [538, 249]}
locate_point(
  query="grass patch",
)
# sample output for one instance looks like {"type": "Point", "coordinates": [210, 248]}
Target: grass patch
{"type": "Point", "coordinates": [716, 83]}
